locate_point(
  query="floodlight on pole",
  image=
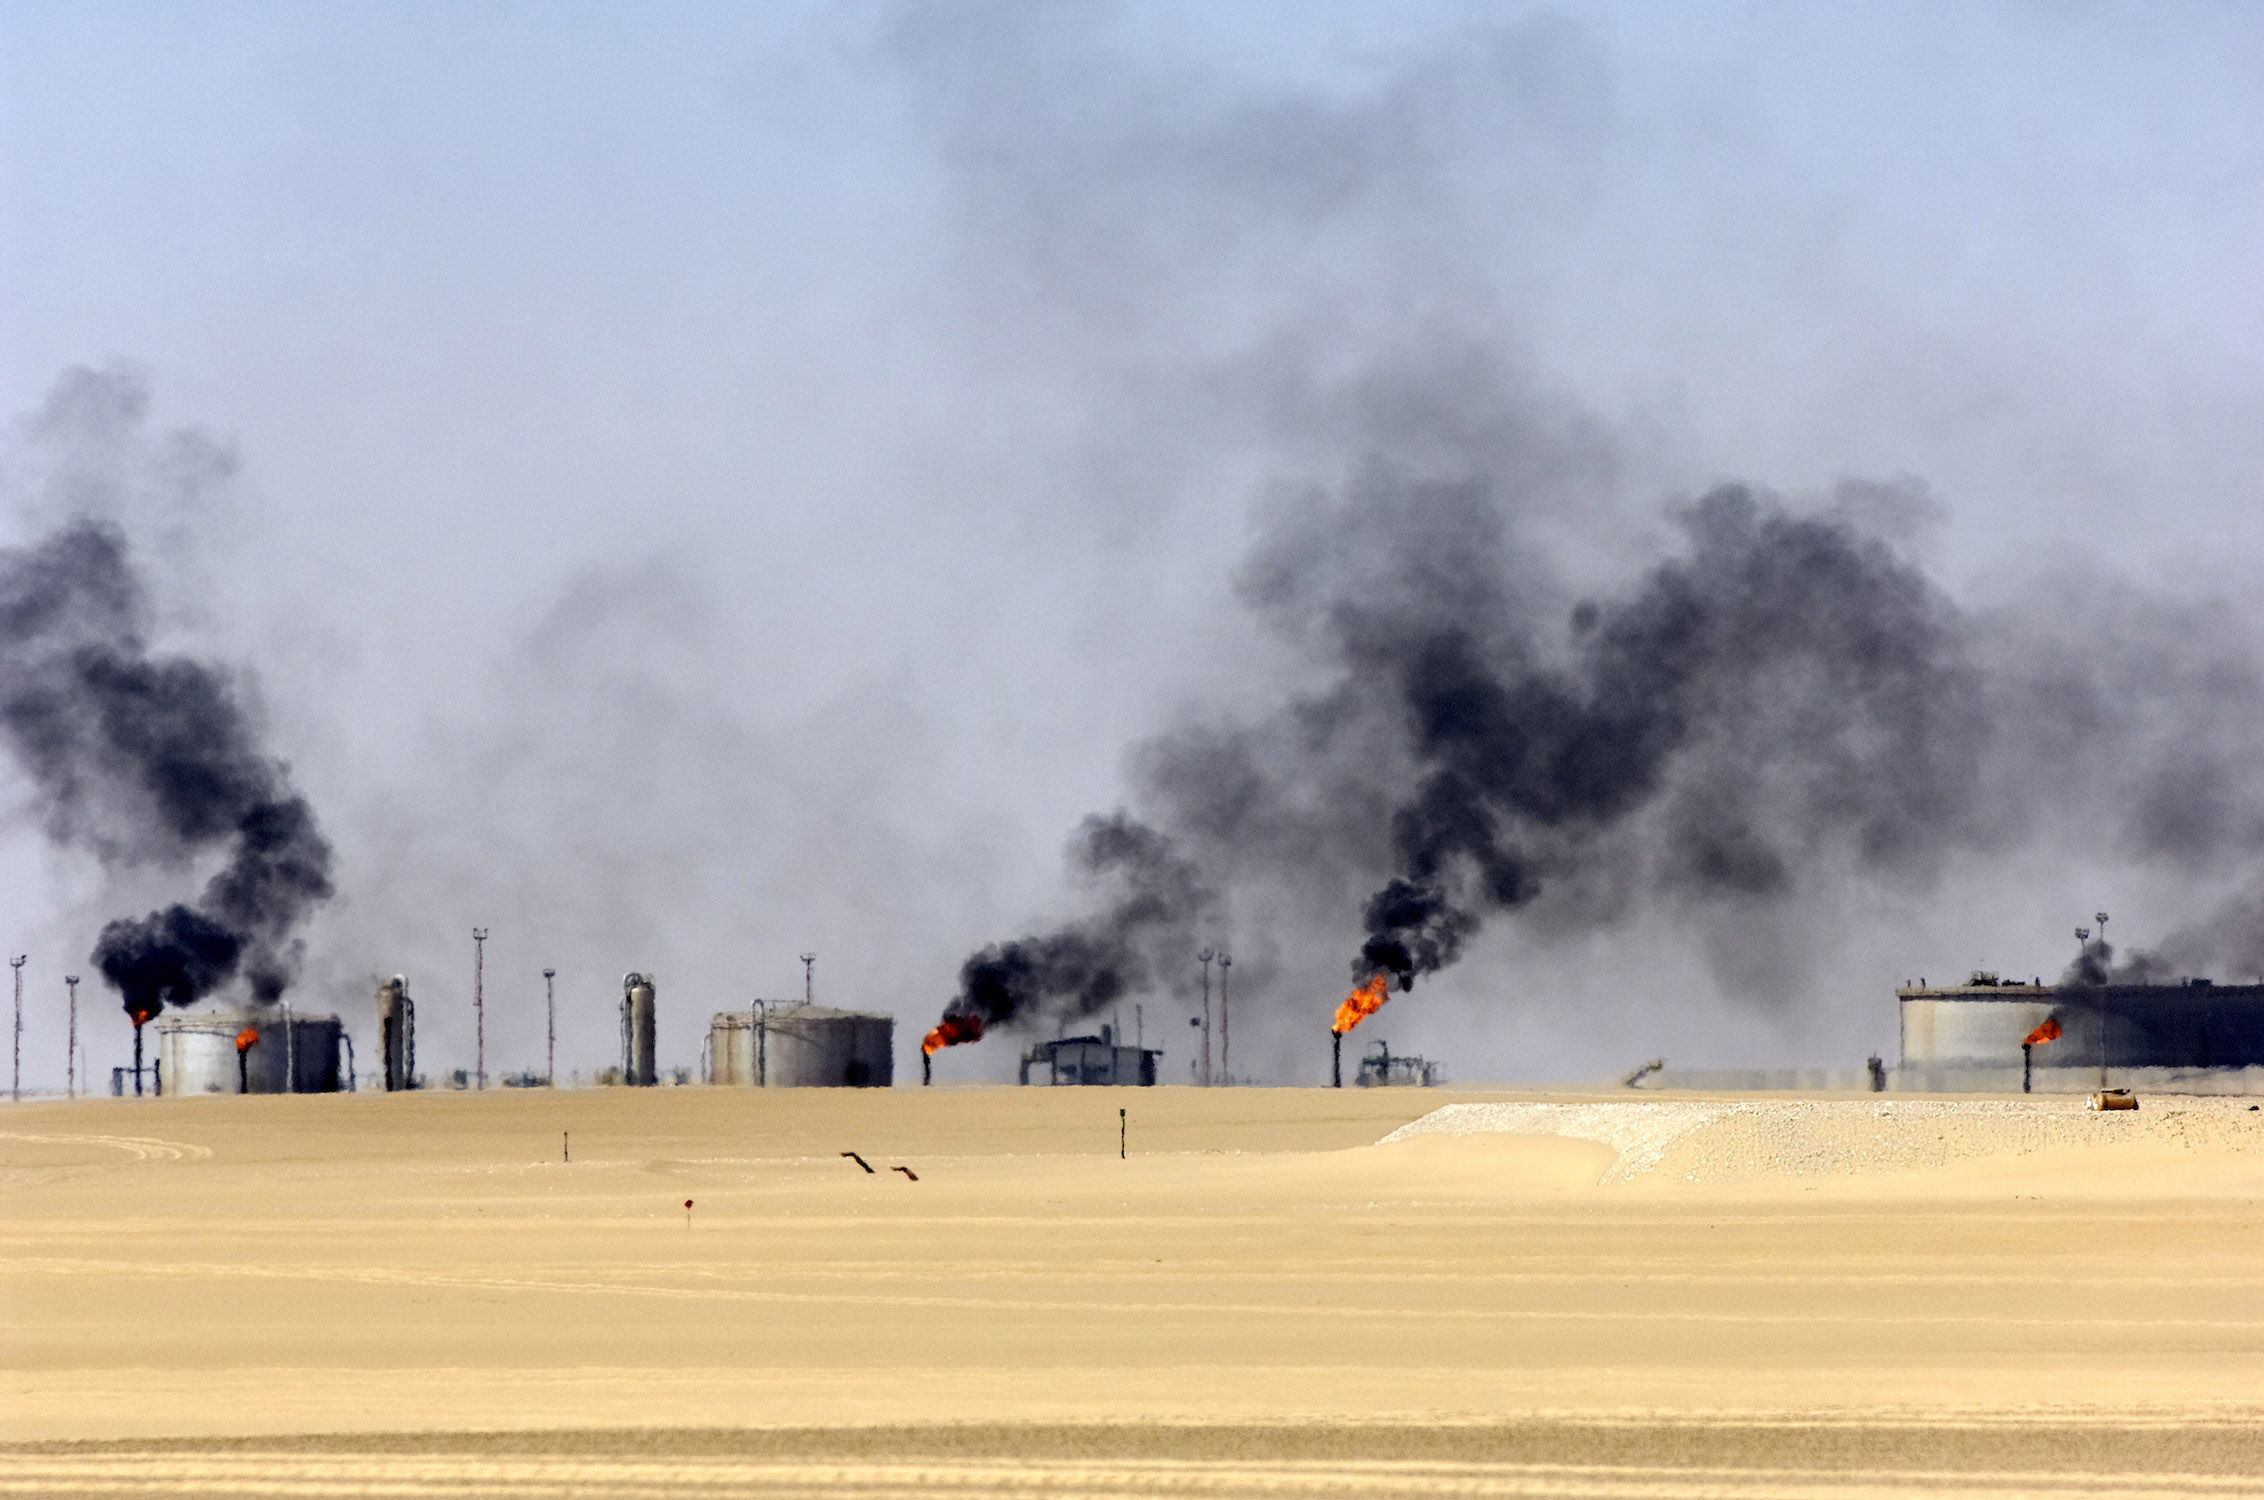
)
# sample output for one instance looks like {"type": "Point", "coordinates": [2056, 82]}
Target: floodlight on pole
{"type": "Point", "coordinates": [1225, 1020]}
{"type": "Point", "coordinates": [2104, 976]}
{"type": "Point", "coordinates": [809, 978]}
{"type": "Point", "coordinates": [16, 1079]}
{"type": "Point", "coordinates": [550, 1028]}
{"type": "Point", "coordinates": [71, 1040]}
{"type": "Point", "coordinates": [1205, 958]}
{"type": "Point", "coordinates": [479, 1006]}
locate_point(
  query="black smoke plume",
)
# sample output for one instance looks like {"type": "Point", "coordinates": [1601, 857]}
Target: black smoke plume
{"type": "Point", "coordinates": [1782, 705]}
{"type": "Point", "coordinates": [1784, 692]}
{"type": "Point", "coordinates": [151, 759]}
{"type": "Point", "coordinates": [1150, 898]}
{"type": "Point", "coordinates": [1780, 687]}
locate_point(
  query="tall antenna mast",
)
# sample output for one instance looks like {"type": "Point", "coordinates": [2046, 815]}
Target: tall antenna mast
{"type": "Point", "coordinates": [71, 1041]}
{"type": "Point", "coordinates": [16, 1080]}
{"type": "Point", "coordinates": [1225, 1022]}
{"type": "Point", "coordinates": [1205, 958]}
{"type": "Point", "coordinates": [2104, 977]}
{"type": "Point", "coordinates": [479, 1005]}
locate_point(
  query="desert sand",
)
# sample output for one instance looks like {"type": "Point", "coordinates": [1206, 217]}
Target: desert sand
{"type": "Point", "coordinates": [1540, 1294]}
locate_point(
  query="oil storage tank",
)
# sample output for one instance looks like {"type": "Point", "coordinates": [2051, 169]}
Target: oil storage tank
{"type": "Point", "coordinates": [637, 1001]}
{"type": "Point", "coordinates": [397, 1034]}
{"type": "Point", "coordinates": [258, 1051]}
{"type": "Point", "coordinates": [1988, 1034]}
{"type": "Point", "coordinates": [802, 1046]}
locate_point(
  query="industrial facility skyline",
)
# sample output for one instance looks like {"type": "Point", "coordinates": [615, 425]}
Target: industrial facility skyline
{"type": "Point", "coordinates": [684, 497]}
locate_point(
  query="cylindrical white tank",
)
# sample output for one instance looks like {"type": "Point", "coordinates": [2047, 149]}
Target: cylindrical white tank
{"type": "Point", "coordinates": [1977, 1029]}
{"type": "Point", "coordinates": [397, 1034]}
{"type": "Point", "coordinates": [637, 1030]}
{"type": "Point", "coordinates": [731, 1051]}
{"type": "Point", "coordinates": [198, 1052]}
{"type": "Point", "coordinates": [802, 1046]}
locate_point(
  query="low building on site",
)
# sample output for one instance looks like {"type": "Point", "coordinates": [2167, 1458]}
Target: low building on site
{"type": "Point", "coordinates": [1091, 1060]}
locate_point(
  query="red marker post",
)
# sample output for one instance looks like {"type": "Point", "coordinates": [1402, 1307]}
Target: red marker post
{"type": "Point", "coordinates": [687, 1214]}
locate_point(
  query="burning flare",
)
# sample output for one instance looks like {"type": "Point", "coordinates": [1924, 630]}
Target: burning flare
{"type": "Point", "coordinates": [2048, 1032]}
{"type": "Point", "coordinates": [1362, 1003]}
{"type": "Point", "coordinates": [950, 1032]}
{"type": "Point", "coordinates": [246, 1037]}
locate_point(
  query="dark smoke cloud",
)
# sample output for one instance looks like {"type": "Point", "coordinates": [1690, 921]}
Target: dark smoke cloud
{"type": "Point", "coordinates": [1780, 689]}
{"type": "Point", "coordinates": [1783, 703]}
{"type": "Point", "coordinates": [144, 759]}
{"type": "Point", "coordinates": [1786, 691]}
{"type": "Point", "coordinates": [2227, 941]}
{"type": "Point", "coordinates": [1151, 901]}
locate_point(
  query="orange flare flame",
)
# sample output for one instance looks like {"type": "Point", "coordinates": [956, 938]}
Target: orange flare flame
{"type": "Point", "coordinates": [2048, 1032]}
{"type": "Point", "coordinates": [140, 1018]}
{"type": "Point", "coordinates": [1362, 1003]}
{"type": "Point", "coordinates": [246, 1037]}
{"type": "Point", "coordinates": [950, 1032]}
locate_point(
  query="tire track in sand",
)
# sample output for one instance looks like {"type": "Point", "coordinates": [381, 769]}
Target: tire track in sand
{"type": "Point", "coordinates": [140, 1147]}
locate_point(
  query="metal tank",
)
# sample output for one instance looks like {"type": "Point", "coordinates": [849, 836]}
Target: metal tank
{"type": "Point", "coordinates": [1973, 1024]}
{"type": "Point", "coordinates": [2195, 1025]}
{"type": "Point", "coordinates": [802, 1046]}
{"type": "Point", "coordinates": [397, 1034]}
{"type": "Point", "coordinates": [283, 1054]}
{"type": "Point", "coordinates": [637, 1030]}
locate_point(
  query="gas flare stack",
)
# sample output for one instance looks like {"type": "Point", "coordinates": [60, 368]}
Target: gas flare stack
{"type": "Point", "coordinates": [948, 1032]}
{"type": "Point", "coordinates": [1357, 1007]}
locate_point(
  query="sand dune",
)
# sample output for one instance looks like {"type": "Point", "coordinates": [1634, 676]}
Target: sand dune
{"type": "Point", "coordinates": [421, 1295]}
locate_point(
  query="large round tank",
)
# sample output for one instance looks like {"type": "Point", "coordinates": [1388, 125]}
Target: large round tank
{"type": "Point", "coordinates": [637, 1030]}
{"type": "Point", "coordinates": [802, 1046]}
{"type": "Point", "coordinates": [1981, 1024]}
{"type": "Point", "coordinates": [1973, 1026]}
{"type": "Point", "coordinates": [197, 1052]}
{"type": "Point", "coordinates": [397, 1034]}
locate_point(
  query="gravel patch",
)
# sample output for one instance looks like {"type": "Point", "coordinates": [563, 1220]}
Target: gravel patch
{"type": "Point", "coordinates": [1721, 1141]}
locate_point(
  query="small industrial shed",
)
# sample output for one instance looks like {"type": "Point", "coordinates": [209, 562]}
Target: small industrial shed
{"type": "Point", "coordinates": [1092, 1060]}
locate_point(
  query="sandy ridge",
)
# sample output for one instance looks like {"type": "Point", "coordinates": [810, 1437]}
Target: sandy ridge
{"type": "Point", "coordinates": [1723, 1142]}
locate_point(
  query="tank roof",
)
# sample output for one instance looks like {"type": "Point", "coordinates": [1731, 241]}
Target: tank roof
{"type": "Point", "coordinates": [779, 1014]}
{"type": "Point", "coordinates": [238, 1016]}
{"type": "Point", "coordinates": [2182, 989]}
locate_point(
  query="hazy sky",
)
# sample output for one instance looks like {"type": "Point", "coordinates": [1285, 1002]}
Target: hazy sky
{"type": "Point", "coordinates": [696, 484]}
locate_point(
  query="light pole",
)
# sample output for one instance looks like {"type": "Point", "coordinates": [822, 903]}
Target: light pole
{"type": "Point", "coordinates": [2082, 952]}
{"type": "Point", "coordinates": [550, 1028]}
{"type": "Point", "coordinates": [809, 978]}
{"type": "Point", "coordinates": [16, 1079]}
{"type": "Point", "coordinates": [71, 1039]}
{"type": "Point", "coordinates": [479, 1006]}
{"type": "Point", "coordinates": [1225, 1021]}
{"type": "Point", "coordinates": [2103, 977]}
{"type": "Point", "coordinates": [1205, 958]}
